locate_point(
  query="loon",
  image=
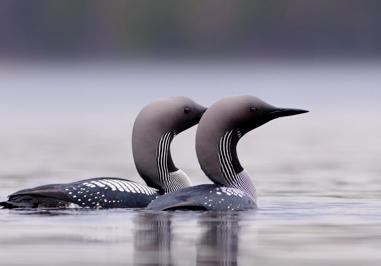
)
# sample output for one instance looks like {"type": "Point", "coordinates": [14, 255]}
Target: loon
{"type": "Point", "coordinates": [154, 129]}
{"type": "Point", "coordinates": [218, 132]}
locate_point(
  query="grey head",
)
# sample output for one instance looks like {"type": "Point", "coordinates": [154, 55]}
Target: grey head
{"type": "Point", "coordinates": [155, 127]}
{"type": "Point", "coordinates": [219, 131]}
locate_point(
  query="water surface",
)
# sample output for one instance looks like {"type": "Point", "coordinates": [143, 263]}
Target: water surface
{"type": "Point", "coordinates": [318, 175]}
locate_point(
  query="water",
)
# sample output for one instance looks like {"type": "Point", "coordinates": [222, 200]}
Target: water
{"type": "Point", "coordinates": [318, 175]}
{"type": "Point", "coordinates": [295, 231]}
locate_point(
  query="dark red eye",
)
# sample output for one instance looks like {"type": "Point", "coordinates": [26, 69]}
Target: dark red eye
{"type": "Point", "coordinates": [253, 109]}
{"type": "Point", "coordinates": [187, 110]}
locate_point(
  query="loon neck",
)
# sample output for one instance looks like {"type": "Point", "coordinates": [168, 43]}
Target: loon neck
{"type": "Point", "coordinates": [227, 152]}
{"type": "Point", "coordinates": [218, 159]}
{"type": "Point", "coordinates": [153, 160]}
{"type": "Point", "coordinates": [231, 169]}
{"type": "Point", "coordinates": [169, 176]}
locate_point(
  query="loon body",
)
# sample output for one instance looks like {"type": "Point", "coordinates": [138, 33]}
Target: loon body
{"type": "Point", "coordinates": [218, 133]}
{"type": "Point", "coordinates": [154, 129]}
{"type": "Point", "coordinates": [101, 192]}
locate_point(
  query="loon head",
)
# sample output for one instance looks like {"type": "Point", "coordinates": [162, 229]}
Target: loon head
{"type": "Point", "coordinates": [244, 113]}
{"type": "Point", "coordinates": [220, 129]}
{"type": "Point", "coordinates": [154, 128]}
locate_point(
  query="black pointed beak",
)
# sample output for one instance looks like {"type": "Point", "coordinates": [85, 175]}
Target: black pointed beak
{"type": "Point", "coordinates": [280, 112]}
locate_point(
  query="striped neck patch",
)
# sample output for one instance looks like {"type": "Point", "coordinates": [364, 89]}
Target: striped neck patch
{"type": "Point", "coordinates": [162, 159]}
{"type": "Point", "coordinates": [169, 181]}
{"type": "Point", "coordinates": [237, 180]}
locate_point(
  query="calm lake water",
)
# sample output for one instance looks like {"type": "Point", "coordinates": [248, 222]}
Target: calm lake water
{"type": "Point", "coordinates": [318, 175]}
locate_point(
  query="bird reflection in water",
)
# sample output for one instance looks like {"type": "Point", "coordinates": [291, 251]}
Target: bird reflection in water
{"type": "Point", "coordinates": [216, 244]}
{"type": "Point", "coordinates": [152, 239]}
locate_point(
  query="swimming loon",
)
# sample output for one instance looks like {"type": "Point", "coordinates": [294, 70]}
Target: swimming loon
{"type": "Point", "coordinates": [154, 129]}
{"type": "Point", "coordinates": [218, 132]}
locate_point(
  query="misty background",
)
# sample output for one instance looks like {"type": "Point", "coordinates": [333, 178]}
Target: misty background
{"type": "Point", "coordinates": [122, 29]}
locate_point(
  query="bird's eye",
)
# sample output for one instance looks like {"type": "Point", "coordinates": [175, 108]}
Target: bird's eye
{"type": "Point", "coordinates": [253, 109]}
{"type": "Point", "coordinates": [187, 110]}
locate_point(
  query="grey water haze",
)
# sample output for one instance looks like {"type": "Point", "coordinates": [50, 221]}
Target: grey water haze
{"type": "Point", "coordinates": [318, 175]}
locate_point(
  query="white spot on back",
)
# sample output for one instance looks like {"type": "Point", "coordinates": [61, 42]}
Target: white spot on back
{"type": "Point", "coordinates": [108, 184]}
{"type": "Point", "coordinates": [123, 184]}
{"type": "Point", "coordinates": [136, 187]}
{"type": "Point", "coordinates": [128, 184]}
{"type": "Point", "coordinates": [99, 184]}
{"type": "Point", "coordinates": [116, 184]}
